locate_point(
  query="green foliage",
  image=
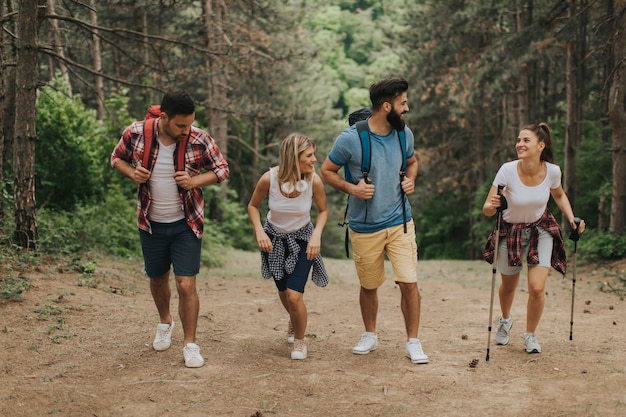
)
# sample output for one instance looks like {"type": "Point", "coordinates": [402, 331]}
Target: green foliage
{"type": "Point", "coordinates": [12, 287]}
{"type": "Point", "coordinates": [441, 226]}
{"type": "Point", "coordinates": [597, 245]}
{"type": "Point", "coordinates": [593, 172]}
{"type": "Point", "coordinates": [68, 166]}
{"type": "Point", "coordinates": [109, 226]}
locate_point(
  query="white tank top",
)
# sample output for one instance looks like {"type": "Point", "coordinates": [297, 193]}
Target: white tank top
{"type": "Point", "coordinates": [288, 214]}
{"type": "Point", "coordinates": [165, 206]}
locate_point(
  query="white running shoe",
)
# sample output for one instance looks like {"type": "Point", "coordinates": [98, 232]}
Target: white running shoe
{"type": "Point", "coordinates": [163, 338]}
{"type": "Point", "coordinates": [193, 358]}
{"type": "Point", "coordinates": [504, 327]}
{"type": "Point", "coordinates": [530, 341]}
{"type": "Point", "coordinates": [415, 352]}
{"type": "Point", "coordinates": [368, 343]}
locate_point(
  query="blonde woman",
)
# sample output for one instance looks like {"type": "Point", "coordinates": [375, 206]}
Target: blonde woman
{"type": "Point", "coordinates": [289, 243]}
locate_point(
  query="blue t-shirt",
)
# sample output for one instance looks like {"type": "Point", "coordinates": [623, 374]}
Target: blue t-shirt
{"type": "Point", "coordinates": [384, 209]}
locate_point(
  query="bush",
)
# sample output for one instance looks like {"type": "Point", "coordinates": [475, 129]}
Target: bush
{"type": "Point", "coordinates": [598, 245]}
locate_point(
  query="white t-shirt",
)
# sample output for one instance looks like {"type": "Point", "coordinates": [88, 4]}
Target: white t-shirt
{"type": "Point", "coordinates": [526, 204]}
{"type": "Point", "coordinates": [288, 214]}
{"type": "Point", "coordinates": [165, 206]}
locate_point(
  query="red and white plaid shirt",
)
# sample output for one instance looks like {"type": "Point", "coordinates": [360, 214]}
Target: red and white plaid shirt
{"type": "Point", "coordinates": [512, 232]}
{"type": "Point", "coordinates": [201, 154]}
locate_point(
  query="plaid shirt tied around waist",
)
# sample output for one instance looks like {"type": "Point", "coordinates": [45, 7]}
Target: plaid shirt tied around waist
{"type": "Point", "coordinates": [512, 232]}
{"type": "Point", "coordinates": [275, 264]}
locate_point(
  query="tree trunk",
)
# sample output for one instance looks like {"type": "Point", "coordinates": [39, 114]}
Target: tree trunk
{"type": "Point", "coordinates": [3, 87]}
{"type": "Point", "coordinates": [58, 48]}
{"type": "Point", "coordinates": [25, 135]}
{"type": "Point", "coordinates": [217, 80]}
{"type": "Point", "coordinates": [97, 60]}
{"type": "Point", "coordinates": [574, 81]}
{"type": "Point", "coordinates": [617, 117]}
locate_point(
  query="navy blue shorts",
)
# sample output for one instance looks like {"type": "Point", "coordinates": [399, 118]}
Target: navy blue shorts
{"type": "Point", "coordinates": [297, 279]}
{"type": "Point", "coordinates": [170, 244]}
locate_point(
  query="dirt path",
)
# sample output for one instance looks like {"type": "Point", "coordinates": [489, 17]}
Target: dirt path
{"type": "Point", "coordinates": [73, 350]}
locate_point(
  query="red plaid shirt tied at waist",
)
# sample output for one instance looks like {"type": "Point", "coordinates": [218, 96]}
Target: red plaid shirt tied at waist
{"type": "Point", "coordinates": [512, 232]}
{"type": "Point", "coordinates": [201, 154]}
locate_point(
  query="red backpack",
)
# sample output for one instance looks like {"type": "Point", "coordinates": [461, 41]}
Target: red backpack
{"type": "Point", "coordinates": [149, 129]}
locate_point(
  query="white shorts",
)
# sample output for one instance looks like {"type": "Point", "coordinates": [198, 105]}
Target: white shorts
{"type": "Point", "coordinates": [544, 248]}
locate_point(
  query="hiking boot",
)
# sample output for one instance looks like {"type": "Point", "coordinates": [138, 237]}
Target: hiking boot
{"type": "Point", "coordinates": [504, 327]}
{"type": "Point", "coordinates": [193, 358]}
{"type": "Point", "coordinates": [415, 352]}
{"type": "Point", "coordinates": [299, 350]}
{"type": "Point", "coordinates": [290, 333]}
{"type": "Point", "coordinates": [530, 341]}
{"type": "Point", "coordinates": [163, 338]}
{"type": "Point", "coordinates": [368, 343]}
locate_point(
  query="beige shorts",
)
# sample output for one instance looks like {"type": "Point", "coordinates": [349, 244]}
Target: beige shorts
{"type": "Point", "coordinates": [369, 255]}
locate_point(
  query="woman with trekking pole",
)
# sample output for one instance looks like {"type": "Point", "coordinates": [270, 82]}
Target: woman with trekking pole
{"type": "Point", "coordinates": [290, 245]}
{"type": "Point", "coordinates": [527, 228]}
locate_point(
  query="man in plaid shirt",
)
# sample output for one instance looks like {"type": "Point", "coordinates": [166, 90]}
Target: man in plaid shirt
{"type": "Point", "coordinates": [170, 210]}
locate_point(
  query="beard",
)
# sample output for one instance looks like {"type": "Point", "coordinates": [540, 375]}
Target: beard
{"type": "Point", "coordinates": [171, 134]}
{"type": "Point", "coordinates": [395, 120]}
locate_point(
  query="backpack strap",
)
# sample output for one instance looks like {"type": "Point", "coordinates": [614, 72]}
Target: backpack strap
{"type": "Point", "coordinates": [402, 141]}
{"type": "Point", "coordinates": [149, 127]}
{"type": "Point", "coordinates": [363, 130]}
{"type": "Point", "coordinates": [180, 152]}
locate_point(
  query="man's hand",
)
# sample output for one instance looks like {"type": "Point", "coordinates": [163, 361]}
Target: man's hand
{"type": "Point", "coordinates": [184, 180]}
{"type": "Point", "coordinates": [141, 175]}
{"type": "Point", "coordinates": [363, 190]}
{"type": "Point", "coordinates": [408, 185]}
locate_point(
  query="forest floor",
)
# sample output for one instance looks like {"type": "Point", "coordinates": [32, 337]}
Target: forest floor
{"type": "Point", "coordinates": [79, 344]}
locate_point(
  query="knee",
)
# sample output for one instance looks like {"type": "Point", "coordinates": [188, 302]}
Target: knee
{"type": "Point", "coordinates": [409, 288]}
{"type": "Point", "coordinates": [186, 287]}
{"type": "Point", "coordinates": [536, 292]}
{"type": "Point", "coordinates": [294, 299]}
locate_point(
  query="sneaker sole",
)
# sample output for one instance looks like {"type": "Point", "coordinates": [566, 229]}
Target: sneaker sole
{"type": "Point", "coordinates": [533, 351]}
{"type": "Point", "coordinates": [161, 349]}
{"type": "Point", "coordinates": [362, 352]}
{"type": "Point", "coordinates": [418, 361]}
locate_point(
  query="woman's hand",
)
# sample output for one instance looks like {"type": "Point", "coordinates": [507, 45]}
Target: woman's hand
{"type": "Point", "coordinates": [263, 240]}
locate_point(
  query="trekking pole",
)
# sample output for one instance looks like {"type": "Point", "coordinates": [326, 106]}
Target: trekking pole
{"type": "Point", "coordinates": [503, 206]}
{"type": "Point", "coordinates": [574, 236]}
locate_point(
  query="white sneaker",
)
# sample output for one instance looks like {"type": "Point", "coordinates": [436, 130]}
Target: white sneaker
{"type": "Point", "coordinates": [299, 350]}
{"type": "Point", "coordinates": [368, 343]}
{"type": "Point", "coordinates": [415, 352]}
{"type": "Point", "coordinates": [504, 327]}
{"type": "Point", "coordinates": [163, 338]}
{"type": "Point", "coordinates": [193, 358]}
{"type": "Point", "coordinates": [530, 341]}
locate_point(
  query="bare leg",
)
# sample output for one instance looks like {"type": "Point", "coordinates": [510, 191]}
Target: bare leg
{"type": "Point", "coordinates": [297, 312]}
{"type": "Point", "coordinates": [161, 294]}
{"type": "Point", "coordinates": [188, 307]}
{"type": "Point", "coordinates": [410, 304]}
{"type": "Point", "coordinates": [537, 276]}
{"type": "Point", "coordinates": [283, 299]}
{"type": "Point", "coordinates": [507, 293]}
{"type": "Point", "coordinates": [369, 308]}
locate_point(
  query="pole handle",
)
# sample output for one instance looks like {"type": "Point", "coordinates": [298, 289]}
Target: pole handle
{"type": "Point", "coordinates": [503, 203]}
{"type": "Point", "coordinates": [575, 235]}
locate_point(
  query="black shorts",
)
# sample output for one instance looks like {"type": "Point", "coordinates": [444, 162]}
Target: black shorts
{"type": "Point", "coordinates": [170, 244]}
{"type": "Point", "coordinates": [298, 278]}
